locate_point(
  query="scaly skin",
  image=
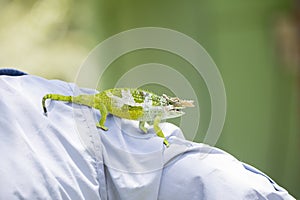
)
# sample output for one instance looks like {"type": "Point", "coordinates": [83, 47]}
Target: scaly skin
{"type": "Point", "coordinates": [129, 103]}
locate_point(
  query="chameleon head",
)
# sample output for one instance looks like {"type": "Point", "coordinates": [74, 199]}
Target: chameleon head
{"type": "Point", "coordinates": [175, 106]}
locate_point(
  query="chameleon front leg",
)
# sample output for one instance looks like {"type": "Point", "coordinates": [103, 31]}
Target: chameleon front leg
{"type": "Point", "coordinates": [142, 126]}
{"type": "Point", "coordinates": [158, 130]}
{"type": "Point", "coordinates": [104, 113]}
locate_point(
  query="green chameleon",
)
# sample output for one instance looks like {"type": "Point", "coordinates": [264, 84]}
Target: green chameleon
{"type": "Point", "coordinates": [129, 103]}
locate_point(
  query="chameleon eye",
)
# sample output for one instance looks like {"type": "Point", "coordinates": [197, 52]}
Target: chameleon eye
{"type": "Point", "coordinates": [143, 94]}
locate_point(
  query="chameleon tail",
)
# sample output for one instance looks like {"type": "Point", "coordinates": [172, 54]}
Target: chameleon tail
{"type": "Point", "coordinates": [56, 97]}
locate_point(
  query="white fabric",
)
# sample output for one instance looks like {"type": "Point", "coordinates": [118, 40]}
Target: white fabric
{"type": "Point", "coordinates": [64, 156]}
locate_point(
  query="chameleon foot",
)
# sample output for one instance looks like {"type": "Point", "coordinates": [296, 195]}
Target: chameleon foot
{"type": "Point", "coordinates": [144, 129]}
{"type": "Point", "coordinates": [166, 143]}
{"type": "Point", "coordinates": [102, 127]}
{"type": "Point", "coordinates": [142, 126]}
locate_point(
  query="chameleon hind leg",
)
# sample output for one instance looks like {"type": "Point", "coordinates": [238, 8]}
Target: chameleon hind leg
{"type": "Point", "coordinates": [142, 126]}
{"type": "Point", "coordinates": [104, 113]}
{"type": "Point", "coordinates": [158, 130]}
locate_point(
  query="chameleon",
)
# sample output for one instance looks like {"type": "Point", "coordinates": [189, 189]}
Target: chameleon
{"type": "Point", "coordinates": [129, 103]}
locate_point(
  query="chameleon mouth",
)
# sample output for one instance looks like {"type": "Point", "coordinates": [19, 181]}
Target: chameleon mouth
{"type": "Point", "coordinates": [177, 111]}
{"type": "Point", "coordinates": [172, 111]}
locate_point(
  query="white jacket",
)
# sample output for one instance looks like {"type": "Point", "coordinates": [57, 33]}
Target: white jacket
{"type": "Point", "coordinates": [64, 156]}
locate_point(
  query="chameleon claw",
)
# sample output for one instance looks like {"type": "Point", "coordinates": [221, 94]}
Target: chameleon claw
{"type": "Point", "coordinates": [142, 126]}
{"type": "Point", "coordinates": [166, 143]}
{"type": "Point", "coordinates": [102, 127]}
{"type": "Point", "coordinates": [144, 129]}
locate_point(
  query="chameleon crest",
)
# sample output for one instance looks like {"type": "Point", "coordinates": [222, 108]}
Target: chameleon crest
{"type": "Point", "coordinates": [129, 103]}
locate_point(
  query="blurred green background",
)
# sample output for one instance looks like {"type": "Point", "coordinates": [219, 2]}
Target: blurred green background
{"type": "Point", "coordinates": [252, 42]}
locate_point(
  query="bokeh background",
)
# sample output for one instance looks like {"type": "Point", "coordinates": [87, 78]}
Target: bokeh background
{"type": "Point", "coordinates": [255, 44]}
